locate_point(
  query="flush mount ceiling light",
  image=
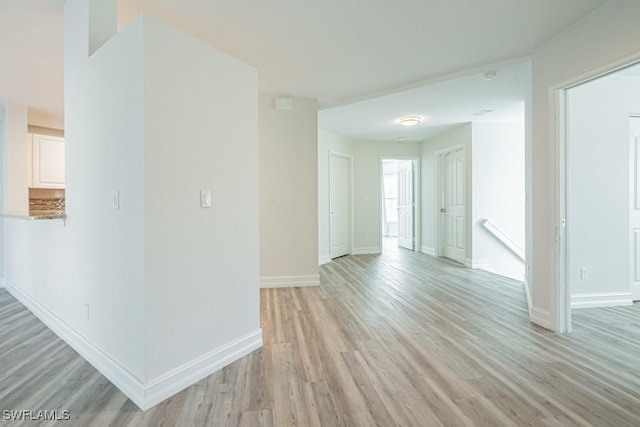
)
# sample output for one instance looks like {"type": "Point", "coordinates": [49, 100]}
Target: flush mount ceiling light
{"type": "Point", "coordinates": [409, 120]}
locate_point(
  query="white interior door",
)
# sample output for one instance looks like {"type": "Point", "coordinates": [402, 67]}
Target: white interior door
{"type": "Point", "coordinates": [405, 204]}
{"type": "Point", "coordinates": [339, 204]}
{"type": "Point", "coordinates": [453, 206]}
{"type": "Point", "coordinates": [635, 208]}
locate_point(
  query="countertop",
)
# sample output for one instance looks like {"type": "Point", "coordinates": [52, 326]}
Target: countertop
{"type": "Point", "coordinates": [35, 217]}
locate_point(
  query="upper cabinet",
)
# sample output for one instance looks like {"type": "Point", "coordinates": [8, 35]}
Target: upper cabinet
{"type": "Point", "coordinates": [48, 161]}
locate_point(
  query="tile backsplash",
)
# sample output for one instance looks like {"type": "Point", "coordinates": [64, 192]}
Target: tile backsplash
{"type": "Point", "coordinates": [46, 201]}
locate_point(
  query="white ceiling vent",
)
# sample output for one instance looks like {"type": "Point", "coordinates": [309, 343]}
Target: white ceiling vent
{"type": "Point", "coordinates": [483, 111]}
{"type": "Point", "coordinates": [282, 103]}
{"type": "Point", "coordinates": [491, 75]}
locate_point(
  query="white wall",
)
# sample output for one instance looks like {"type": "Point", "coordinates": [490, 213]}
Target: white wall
{"type": "Point", "coordinates": [460, 136]}
{"type": "Point", "coordinates": [288, 193]}
{"type": "Point", "coordinates": [58, 271]}
{"type": "Point", "coordinates": [599, 188]}
{"type": "Point", "coordinates": [367, 197]}
{"type": "Point", "coordinates": [159, 269]}
{"type": "Point", "coordinates": [109, 157]}
{"type": "Point", "coordinates": [327, 142]}
{"type": "Point", "coordinates": [201, 264]}
{"type": "Point", "coordinates": [498, 195]}
{"type": "Point", "coordinates": [583, 49]}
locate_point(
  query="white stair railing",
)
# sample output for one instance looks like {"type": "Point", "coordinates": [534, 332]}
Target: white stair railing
{"type": "Point", "coordinates": [503, 238]}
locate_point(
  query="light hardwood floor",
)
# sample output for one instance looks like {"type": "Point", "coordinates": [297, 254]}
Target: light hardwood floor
{"type": "Point", "coordinates": [395, 339]}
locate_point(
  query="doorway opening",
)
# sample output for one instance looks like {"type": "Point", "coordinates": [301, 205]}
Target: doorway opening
{"type": "Point", "coordinates": [599, 188]}
{"type": "Point", "coordinates": [400, 203]}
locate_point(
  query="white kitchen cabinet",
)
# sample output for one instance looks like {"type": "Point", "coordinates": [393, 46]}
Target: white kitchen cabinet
{"type": "Point", "coordinates": [48, 161]}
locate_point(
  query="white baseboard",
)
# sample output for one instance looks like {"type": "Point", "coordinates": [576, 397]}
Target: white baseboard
{"type": "Point", "coordinates": [289, 281]}
{"type": "Point", "coordinates": [540, 317]}
{"type": "Point", "coordinates": [635, 291]}
{"type": "Point", "coordinates": [2, 282]}
{"type": "Point", "coordinates": [143, 395]}
{"type": "Point", "coordinates": [373, 250]}
{"type": "Point", "coordinates": [124, 380]}
{"type": "Point", "coordinates": [482, 264]}
{"type": "Point", "coordinates": [609, 299]}
{"type": "Point", "coordinates": [324, 259]}
{"type": "Point", "coordinates": [191, 372]}
{"type": "Point", "coordinates": [428, 251]}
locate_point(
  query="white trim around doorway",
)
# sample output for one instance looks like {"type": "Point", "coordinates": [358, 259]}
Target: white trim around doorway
{"type": "Point", "coordinates": [417, 199]}
{"type": "Point", "coordinates": [561, 301]}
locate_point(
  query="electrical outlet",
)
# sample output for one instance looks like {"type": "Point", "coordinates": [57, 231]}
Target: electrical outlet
{"type": "Point", "coordinates": [86, 309]}
{"type": "Point", "coordinates": [115, 200]}
{"type": "Point", "coordinates": [584, 273]}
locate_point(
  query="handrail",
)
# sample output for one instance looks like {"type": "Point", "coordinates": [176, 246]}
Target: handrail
{"type": "Point", "coordinates": [503, 238]}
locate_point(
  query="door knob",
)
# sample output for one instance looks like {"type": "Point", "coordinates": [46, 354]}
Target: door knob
{"type": "Point", "coordinates": [443, 210]}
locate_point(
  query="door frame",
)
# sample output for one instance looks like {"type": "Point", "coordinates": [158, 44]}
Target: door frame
{"type": "Point", "coordinates": [561, 298]}
{"type": "Point", "coordinates": [417, 200]}
{"type": "Point", "coordinates": [349, 159]}
{"type": "Point", "coordinates": [440, 202]}
{"type": "Point", "coordinates": [634, 201]}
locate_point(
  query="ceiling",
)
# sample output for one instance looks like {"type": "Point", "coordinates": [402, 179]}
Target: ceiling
{"type": "Point", "coordinates": [442, 105]}
{"type": "Point", "coordinates": [31, 54]}
{"type": "Point", "coordinates": [335, 50]}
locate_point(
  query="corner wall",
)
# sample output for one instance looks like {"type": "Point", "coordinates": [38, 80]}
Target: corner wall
{"type": "Point", "coordinates": [201, 264]}
{"type": "Point", "coordinates": [104, 144]}
{"type": "Point", "coordinates": [154, 292]}
{"type": "Point", "coordinates": [84, 279]}
{"type": "Point", "coordinates": [498, 196]}
{"type": "Point", "coordinates": [288, 193]}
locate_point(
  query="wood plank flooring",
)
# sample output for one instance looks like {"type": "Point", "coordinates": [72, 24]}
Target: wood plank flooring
{"type": "Point", "coordinates": [399, 339]}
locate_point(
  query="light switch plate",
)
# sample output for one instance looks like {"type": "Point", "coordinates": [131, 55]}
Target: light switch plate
{"type": "Point", "coordinates": [584, 273]}
{"type": "Point", "coordinates": [205, 198]}
{"type": "Point", "coordinates": [115, 200]}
